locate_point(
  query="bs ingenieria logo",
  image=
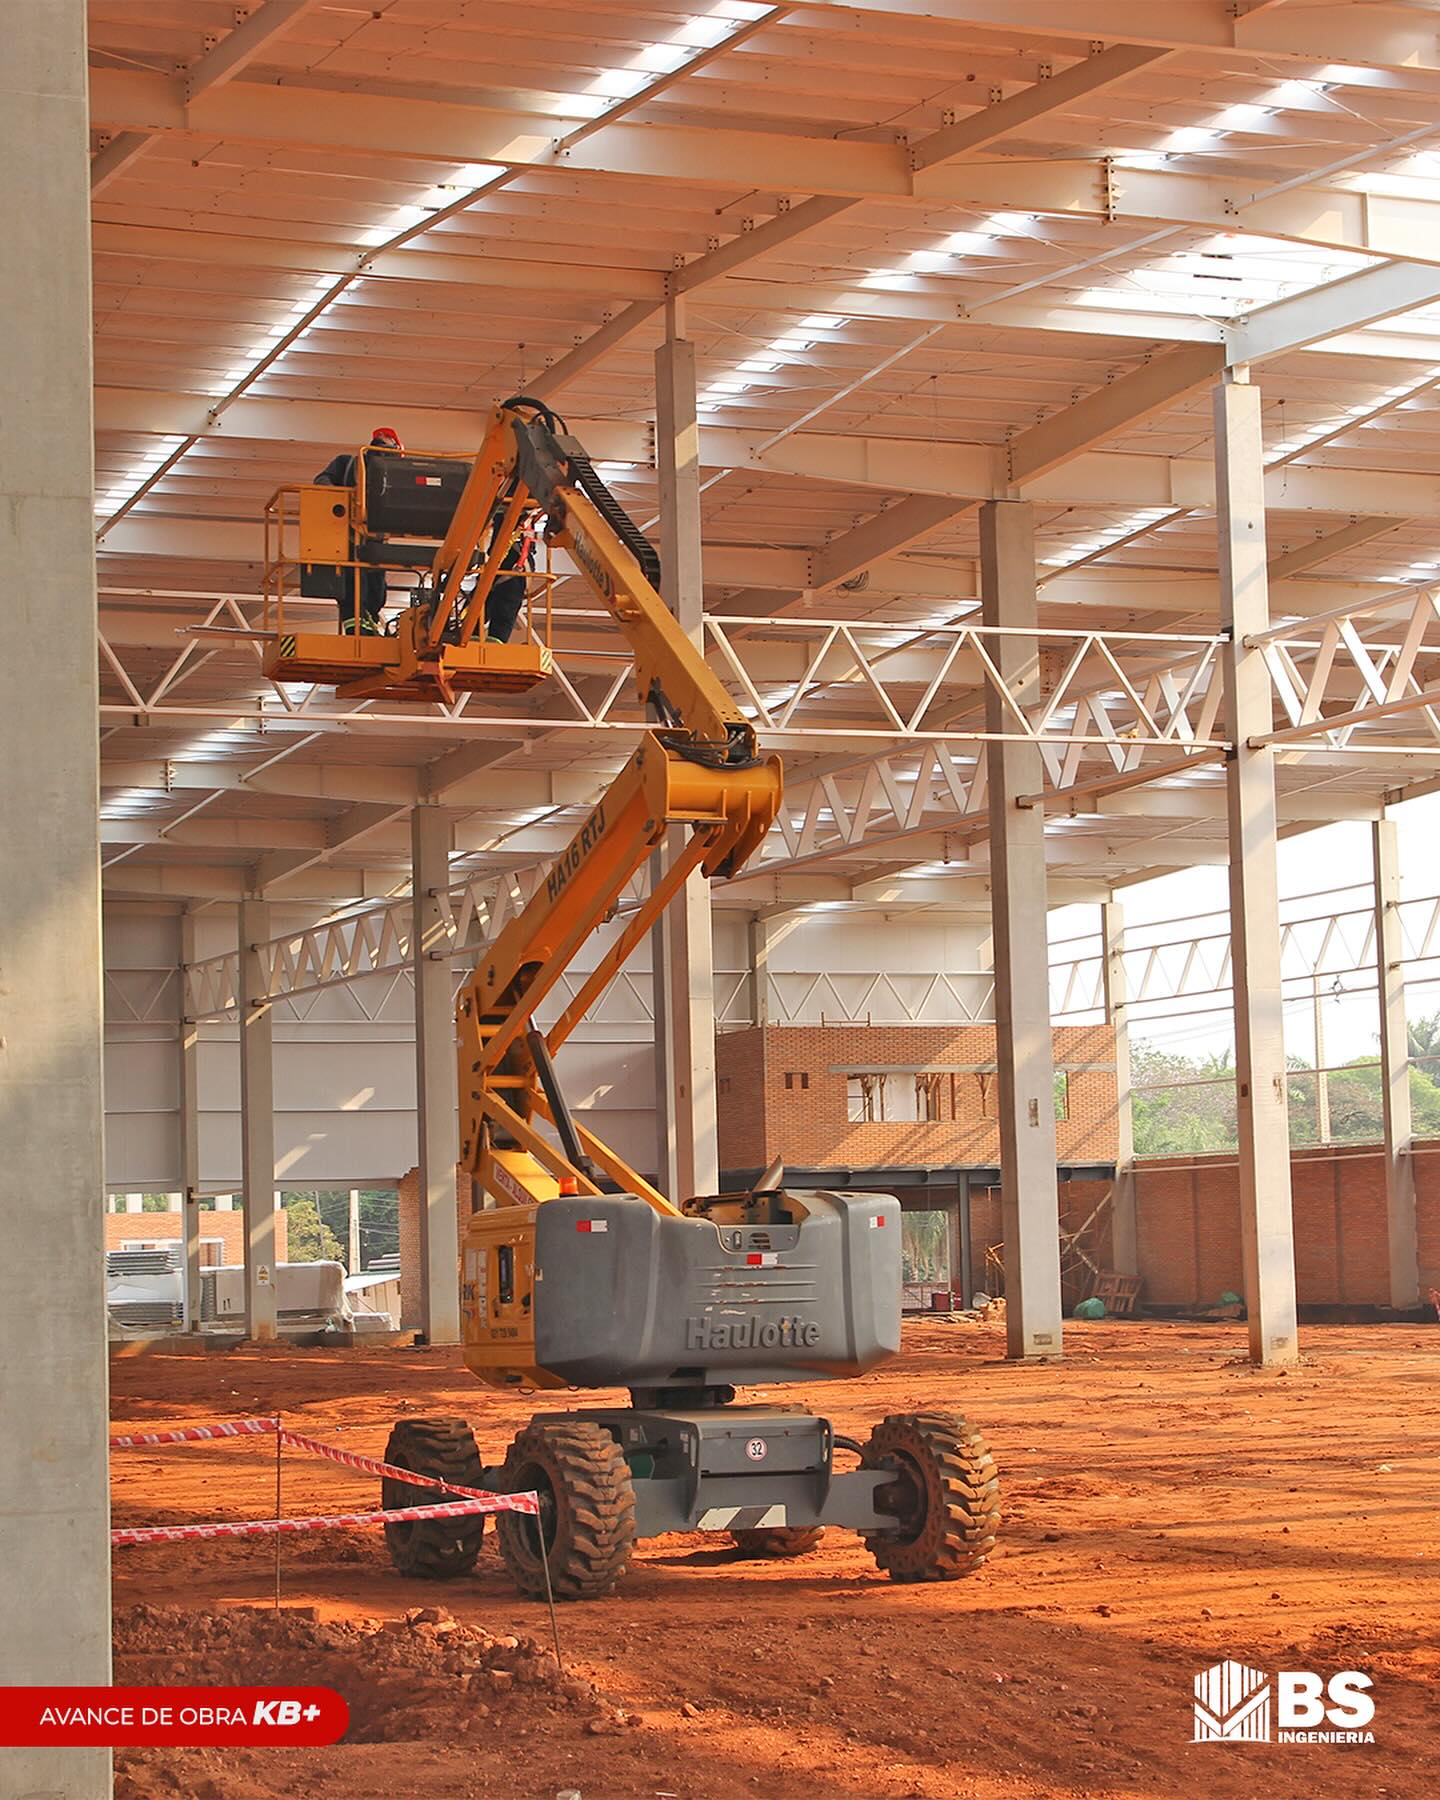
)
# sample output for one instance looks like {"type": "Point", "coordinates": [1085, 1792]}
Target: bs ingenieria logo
{"type": "Point", "coordinates": [1243, 1705]}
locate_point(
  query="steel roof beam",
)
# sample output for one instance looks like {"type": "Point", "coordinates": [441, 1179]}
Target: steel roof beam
{"type": "Point", "coordinates": [221, 63]}
{"type": "Point", "coordinates": [1304, 319]}
{"type": "Point", "coordinates": [1317, 212]}
{"type": "Point", "coordinates": [1048, 462]}
{"type": "Point", "coordinates": [1380, 37]}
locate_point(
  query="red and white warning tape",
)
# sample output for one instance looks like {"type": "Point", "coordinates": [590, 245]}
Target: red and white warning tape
{"type": "Point", "coordinates": [475, 1500]}
{"type": "Point", "coordinates": [455, 1509]}
{"type": "Point", "coordinates": [369, 1465]}
{"type": "Point", "coordinates": [197, 1434]}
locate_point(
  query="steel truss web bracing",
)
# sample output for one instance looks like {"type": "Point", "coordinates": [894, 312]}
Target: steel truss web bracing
{"type": "Point", "coordinates": [370, 952]}
{"type": "Point", "coordinates": [804, 680]}
{"type": "Point", "coordinates": [1336, 945]}
{"type": "Point", "coordinates": [1119, 710]}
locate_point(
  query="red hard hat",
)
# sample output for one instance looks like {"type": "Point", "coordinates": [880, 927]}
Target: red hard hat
{"type": "Point", "coordinates": [387, 435]}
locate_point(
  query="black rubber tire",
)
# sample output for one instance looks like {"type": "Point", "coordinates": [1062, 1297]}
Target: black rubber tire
{"type": "Point", "coordinates": [436, 1549]}
{"type": "Point", "coordinates": [948, 1529]}
{"type": "Point", "coordinates": [587, 1506]}
{"type": "Point", "coordinates": [779, 1540]}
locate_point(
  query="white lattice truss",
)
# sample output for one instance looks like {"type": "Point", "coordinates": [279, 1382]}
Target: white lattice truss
{"type": "Point", "coordinates": [375, 940]}
{"type": "Point", "coordinates": [1117, 709]}
{"type": "Point", "coordinates": [1325, 946]}
{"type": "Point", "coordinates": [1349, 682]}
{"type": "Point", "coordinates": [1359, 680]}
{"type": "Point", "coordinates": [365, 948]}
{"type": "Point", "coordinates": [812, 683]}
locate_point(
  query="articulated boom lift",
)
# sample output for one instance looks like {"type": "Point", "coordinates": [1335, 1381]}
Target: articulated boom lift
{"type": "Point", "coordinates": [577, 1272]}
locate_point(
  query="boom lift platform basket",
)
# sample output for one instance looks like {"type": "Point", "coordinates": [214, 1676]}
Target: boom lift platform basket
{"type": "Point", "coordinates": [340, 544]}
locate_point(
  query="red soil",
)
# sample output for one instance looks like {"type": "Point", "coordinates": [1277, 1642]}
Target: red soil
{"type": "Point", "coordinates": [1165, 1507]}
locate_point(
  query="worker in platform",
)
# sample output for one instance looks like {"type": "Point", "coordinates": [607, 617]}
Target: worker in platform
{"type": "Point", "coordinates": [507, 596]}
{"type": "Point", "coordinates": [340, 472]}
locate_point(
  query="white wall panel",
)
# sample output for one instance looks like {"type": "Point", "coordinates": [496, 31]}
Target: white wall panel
{"type": "Point", "coordinates": [345, 1058]}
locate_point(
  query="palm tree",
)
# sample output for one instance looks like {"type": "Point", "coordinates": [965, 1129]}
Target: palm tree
{"type": "Point", "coordinates": [1424, 1039]}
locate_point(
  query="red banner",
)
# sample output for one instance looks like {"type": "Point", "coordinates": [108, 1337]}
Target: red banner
{"type": "Point", "coordinates": [38, 1716]}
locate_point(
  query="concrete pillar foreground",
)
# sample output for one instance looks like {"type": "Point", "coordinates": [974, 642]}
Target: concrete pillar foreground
{"type": "Point", "coordinates": [1395, 1072]}
{"type": "Point", "coordinates": [257, 1123]}
{"type": "Point", "coordinates": [681, 949]}
{"type": "Point", "coordinates": [189, 1131]}
{"type": "Point", "coordinates": [436, 1093]}
{"type": "Point", "coordinates": [1024, 1048]}
{"type": "Point", "coordinates": [54, 1500]}
{"type": "Point", "coordinates": [1124, 1247]}
{"type": "Point", "coordinates": [1262, 1112]}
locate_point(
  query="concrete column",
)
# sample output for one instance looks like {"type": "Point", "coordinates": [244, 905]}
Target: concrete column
{"type": "Point", "coordinates": [224, 1203]}
{"type": "Point", "coordinates": [681, 946]}
{"type": "Point", "coordinates": [1025, 1085]}
{"type": "Point", "coordinates": [965, 1269]}
{"type": "Point", "coordinates": [1266, 1228]}
{"type": "Point", "coordinates": [134, 1203]}
{"type": "Point", "coordinates": [1124, 1251]}
{"type": "Point", "coordinates": [352, 1265]}
{"type": "Point", "coordinates": [54, 1503]}
{"type": "Point", "coordinates": [760, 938]}
{"type": "Point", "coordinates": [436, 1095]}
{"type": "Point", "coordinates": [1395, 1072]}
{"type": "Point", "coordinates": [189, 1129]}
{"type": "Point", "coordinates": [257, 1123]}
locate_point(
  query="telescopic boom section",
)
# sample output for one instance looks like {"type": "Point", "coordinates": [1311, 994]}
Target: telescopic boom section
{"type": "Point", "coordinates": [698, 769]}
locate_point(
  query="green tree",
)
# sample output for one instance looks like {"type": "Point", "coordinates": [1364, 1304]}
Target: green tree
{"type": "Point", "coordinates": [308, 1237]}
{"type": "Point", "coordinates": [1185, 1105]}
{"type": "Point", "coordinates": [1424, 1036]}
{"type": "Point", "coordinates": [379, 1220]}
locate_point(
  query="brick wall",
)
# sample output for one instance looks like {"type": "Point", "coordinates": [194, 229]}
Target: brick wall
{"type": "Point", "coordinates": [410, 1315]}
{"type": "Point", "coordinates": [1188, 1216]}
{"type": "Point", "coordinates": [760, 1118]}
{"type": "Point", "coordinates": [157, 1227]}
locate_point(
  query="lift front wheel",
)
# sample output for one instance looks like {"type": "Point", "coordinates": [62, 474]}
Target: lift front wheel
{"type": "Point", "coordinates": [438, 1549]}
{"type": "Point", "coordinates": [944, 1495]}
{"type": "Point", "coordinates": [587, 1510]}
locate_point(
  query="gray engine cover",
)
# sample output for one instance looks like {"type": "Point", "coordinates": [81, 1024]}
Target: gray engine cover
{"type": "Point", "coordinates": [628, 1297]}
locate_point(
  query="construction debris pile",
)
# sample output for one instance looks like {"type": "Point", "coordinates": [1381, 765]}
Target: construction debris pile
{"type": "Point", "coordinates": [982, 1309]}
{"type": "Point", "coordinates": [421, 1676]}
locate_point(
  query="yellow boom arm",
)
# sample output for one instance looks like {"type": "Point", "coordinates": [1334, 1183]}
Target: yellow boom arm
{"type": "Point", "coordinates": [698, 769]}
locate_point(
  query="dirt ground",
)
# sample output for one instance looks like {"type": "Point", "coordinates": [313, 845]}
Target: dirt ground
{"type": "Point", "coordinates": [1165, 1507]}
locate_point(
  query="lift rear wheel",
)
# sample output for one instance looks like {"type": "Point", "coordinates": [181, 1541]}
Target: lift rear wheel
{"type": "Point", "coordinates": [779, 1540]}
{"type": "Point", "coordinates": [945, 1496]}
{"type": "Point", "coordinates": [587, 1510]}
{"type": "Point", "coordinates": [438, 1549]}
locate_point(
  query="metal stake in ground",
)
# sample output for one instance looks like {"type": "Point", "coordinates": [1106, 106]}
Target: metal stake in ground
{"type": "Point", "coordinates": [549, 1591]}
{"type": "Point", "coordinates": [279, 1445]}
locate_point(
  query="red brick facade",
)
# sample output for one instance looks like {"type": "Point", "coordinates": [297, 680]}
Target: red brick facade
{"type": "Point", "coordinates": [165, 1227]}
{"type": "Point", "coordinates": [806, 1122]}
{"type": "Point", "coordinates": [1188, 1208]}
{"type": "Point", "coordinates": [1188, 1215]}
